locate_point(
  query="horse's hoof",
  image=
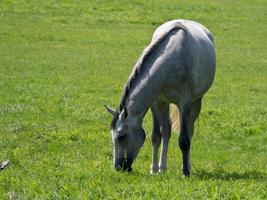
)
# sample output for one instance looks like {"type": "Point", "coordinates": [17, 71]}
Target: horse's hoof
{"type": "Point", "coordinates": [186, 170]}
{"type": "Point", "coordinates": [186, 173]}
{"type": "Point", "coordinates": [154, 170]}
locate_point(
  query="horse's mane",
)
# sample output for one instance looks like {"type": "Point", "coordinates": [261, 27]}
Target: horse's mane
{"type": "Point", "coordinates": [139, 67]}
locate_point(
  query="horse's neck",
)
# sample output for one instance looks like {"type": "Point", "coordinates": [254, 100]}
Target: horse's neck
{"type": "Point", "coordinates": [143, 95]}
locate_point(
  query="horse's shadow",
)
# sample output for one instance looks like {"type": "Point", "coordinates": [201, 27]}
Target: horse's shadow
{"type": "Point", "coordinates": [222, 175]}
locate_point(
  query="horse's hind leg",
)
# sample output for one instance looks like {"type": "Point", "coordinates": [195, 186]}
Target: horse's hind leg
{"type": "Point", "coordinates": [161, 130]}
{"type": "Point", "coordinates": [189, 113]}
{"type": "Point", "coordinates": [195, 110]}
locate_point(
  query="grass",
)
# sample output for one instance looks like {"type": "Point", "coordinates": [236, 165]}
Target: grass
{"type": "Point", "coordinates": [61, 61]}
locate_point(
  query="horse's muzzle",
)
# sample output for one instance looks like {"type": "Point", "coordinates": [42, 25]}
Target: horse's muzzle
{"type": "Point", "coordinates": [123, 164]}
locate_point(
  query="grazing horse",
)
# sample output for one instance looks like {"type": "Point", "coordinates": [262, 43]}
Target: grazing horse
{"type": "Point", "coordinates": [177, 67]}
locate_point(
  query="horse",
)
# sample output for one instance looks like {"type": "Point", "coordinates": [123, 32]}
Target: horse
{"type": "Point", "coordinates": [177, 67]}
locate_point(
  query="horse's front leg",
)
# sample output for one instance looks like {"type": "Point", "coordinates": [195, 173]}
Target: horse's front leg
{"type": "Point", "coordinates": [161, 131]}
{"type": "Point", "coordinates": [166, 133]}
{"type": "Point", "coordinates": [156, 140]}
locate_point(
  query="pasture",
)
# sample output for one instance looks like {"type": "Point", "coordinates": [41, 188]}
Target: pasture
{"type": "Point", "coordinates": [61, 61]}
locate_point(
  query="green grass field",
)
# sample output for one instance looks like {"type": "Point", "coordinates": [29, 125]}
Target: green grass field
{"type": "Point", "coordinates": [61, 61]}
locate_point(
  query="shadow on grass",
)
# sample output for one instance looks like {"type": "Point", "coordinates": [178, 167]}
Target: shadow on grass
{"type": "Point", "coordinates": [222, 175]}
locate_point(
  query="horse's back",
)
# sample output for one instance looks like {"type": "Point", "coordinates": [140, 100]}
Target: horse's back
{"type": "Point", "coordinates": [200, 54]}
{"type": "Point", "coordinates": [197, 30]}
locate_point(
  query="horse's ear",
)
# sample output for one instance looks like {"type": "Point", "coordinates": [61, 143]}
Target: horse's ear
{"type": "Point", "coordinates": [110, 110]}
{"type": "Point", "coordinates": [123, 114]}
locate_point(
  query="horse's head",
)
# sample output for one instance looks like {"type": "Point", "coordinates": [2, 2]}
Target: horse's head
{"type": "Point", "coordinates": [128, 137]}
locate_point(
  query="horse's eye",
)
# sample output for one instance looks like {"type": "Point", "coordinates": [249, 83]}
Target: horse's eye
{"type": "Point", "coordinates": [121, 137]}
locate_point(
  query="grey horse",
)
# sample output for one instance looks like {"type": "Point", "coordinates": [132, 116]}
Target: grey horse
{"type": "Point", "coordinates": [177, 67]}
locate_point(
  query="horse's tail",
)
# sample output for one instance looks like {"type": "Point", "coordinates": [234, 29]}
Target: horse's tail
{"type": "Point", "coordinates": [175, 117]}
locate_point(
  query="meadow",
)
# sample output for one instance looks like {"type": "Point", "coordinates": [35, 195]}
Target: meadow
{"type": "Point", "coordinates": [61, 61]}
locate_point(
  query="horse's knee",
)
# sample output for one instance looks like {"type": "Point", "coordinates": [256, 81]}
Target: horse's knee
{"type": "Point", "coordinates": [156, 139]}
